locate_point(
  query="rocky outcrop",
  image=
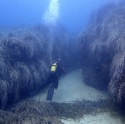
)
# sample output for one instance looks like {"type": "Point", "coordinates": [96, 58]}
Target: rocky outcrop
{"type": "Point", "coordinates": [102, 48]}
{"type": "Point", "coordinates": [25, 57]}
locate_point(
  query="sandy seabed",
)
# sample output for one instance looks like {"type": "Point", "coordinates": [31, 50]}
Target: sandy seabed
{"type": "Point", "coordinates": [103, 118]}
{"type": "Point", "coordinates": [72, 88]}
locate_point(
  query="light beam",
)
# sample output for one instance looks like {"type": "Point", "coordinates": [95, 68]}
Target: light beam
{"type": "Point", "coordinates": [52, 13]}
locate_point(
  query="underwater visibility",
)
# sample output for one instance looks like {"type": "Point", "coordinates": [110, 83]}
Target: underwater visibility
{"type": "Point", "coordinates": [62, 62]}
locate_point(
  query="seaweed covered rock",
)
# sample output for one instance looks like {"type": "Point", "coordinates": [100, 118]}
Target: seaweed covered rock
{"type": "Point", "coordinates": [26, 55]}
{"type": "Point", "coordinates": [102, 48]}
{"type": "Point", "coordinates": [34, 112]}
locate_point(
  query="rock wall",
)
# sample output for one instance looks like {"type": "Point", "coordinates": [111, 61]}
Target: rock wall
{"type": "Point", "coordinates": [26, 54]}
{"type": "Point", "coordinates": [102, 48]}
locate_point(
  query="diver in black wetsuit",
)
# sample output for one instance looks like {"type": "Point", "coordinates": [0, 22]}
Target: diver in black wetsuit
{"type": "Point", "coordinates": [55, 74]}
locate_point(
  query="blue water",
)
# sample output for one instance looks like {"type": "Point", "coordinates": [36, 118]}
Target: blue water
{"type": "Point", "coordinates": [73, 14]}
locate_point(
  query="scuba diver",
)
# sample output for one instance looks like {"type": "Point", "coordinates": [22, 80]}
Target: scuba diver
{"type": "Point", "coordinates": [55, 73]}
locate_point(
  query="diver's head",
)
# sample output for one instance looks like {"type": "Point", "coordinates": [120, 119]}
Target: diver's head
{"type": "Point", "coordinates": [58, 61]}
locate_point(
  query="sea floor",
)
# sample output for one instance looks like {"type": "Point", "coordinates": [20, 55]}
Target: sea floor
{"type": "Point", "coordinates": [72, 88]}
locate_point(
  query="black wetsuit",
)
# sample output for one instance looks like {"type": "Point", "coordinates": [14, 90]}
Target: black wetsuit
{"type": "Point", "coordinates": [54, 81]}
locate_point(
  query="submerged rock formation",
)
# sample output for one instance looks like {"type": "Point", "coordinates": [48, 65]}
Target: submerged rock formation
{"type": "Point", "coordinates": [33, 112]}
{"type": "Point", "coordinates": [102, 48]}
{"type": "Point", "coordinates": [25, 58]}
